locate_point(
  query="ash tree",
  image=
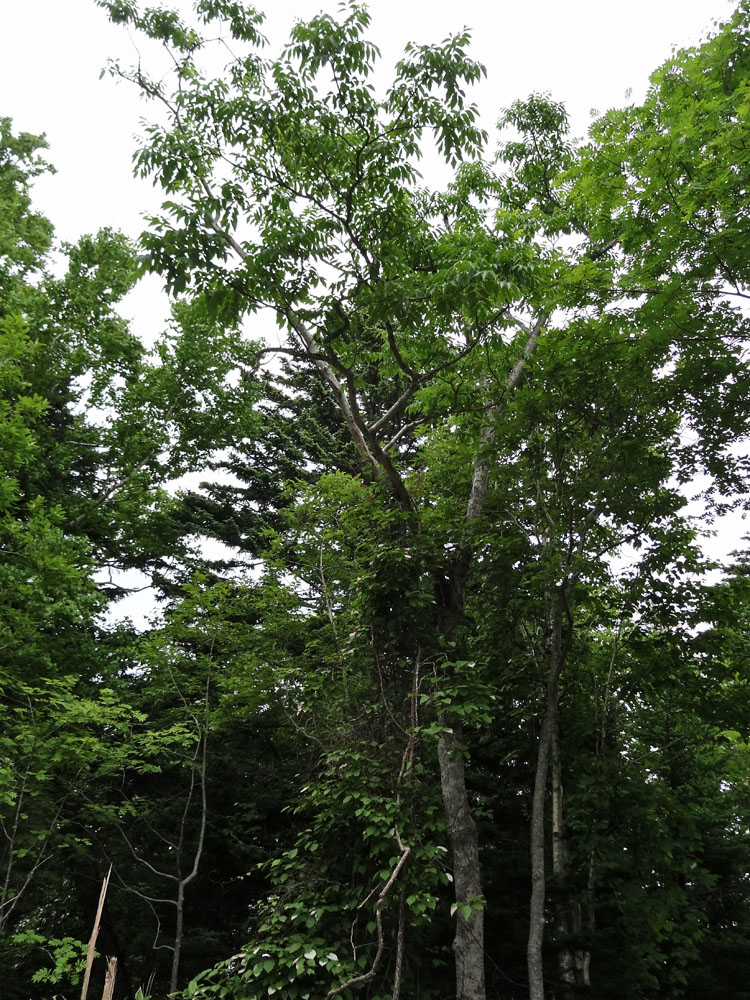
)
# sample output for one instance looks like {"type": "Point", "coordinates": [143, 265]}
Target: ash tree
{"type": "Point", "coordinates": [512, 363]}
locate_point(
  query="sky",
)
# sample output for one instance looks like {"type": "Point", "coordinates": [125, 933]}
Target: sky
{"type": "Point", "coordinates": [586, 53]}
{"type": "Point", "coordinates": [590, 54]}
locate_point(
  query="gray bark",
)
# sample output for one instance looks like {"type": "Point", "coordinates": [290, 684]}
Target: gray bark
{"type": "Point", "coordinates": [572, 960]}
{"type": "Point", "coordinates": [544, 754]}
{"type": "Point", "coordinates": [468, 944]}
{"type": "Point", "coordinates": [178, 934]}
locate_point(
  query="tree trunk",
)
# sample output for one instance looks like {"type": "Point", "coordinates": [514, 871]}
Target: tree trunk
{"type": "Point", "coordinates": [566, 925]}
{"type": "Point", "coordinates": [468, 944]}
{"type": "Point", "coordinates": [180, 901]}
{"type": "Point", "coordinates": [538, 876]}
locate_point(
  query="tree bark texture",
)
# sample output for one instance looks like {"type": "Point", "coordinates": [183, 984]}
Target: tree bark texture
{"type": "Point", "coordinates": [468, 944]}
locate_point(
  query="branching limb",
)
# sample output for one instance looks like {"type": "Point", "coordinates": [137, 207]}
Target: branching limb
{"type": "Point", "coordinates": [397, 408]}
{"type": "Point", "coordinates": [481, 476]}
{"type": "Point", "coordinates": [370, 974]}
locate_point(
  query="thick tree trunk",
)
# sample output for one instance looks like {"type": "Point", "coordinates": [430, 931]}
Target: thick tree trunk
{"type": "Point", "coordinates": [468, 941]}
{"type": "Point", "coordinates": [468, 945]}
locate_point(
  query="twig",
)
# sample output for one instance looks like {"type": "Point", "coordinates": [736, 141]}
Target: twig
{"type": "Point", "coordinates": [367, 976]}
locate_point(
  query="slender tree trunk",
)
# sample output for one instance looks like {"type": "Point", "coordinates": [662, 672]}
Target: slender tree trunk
{"type": "Point", "coordinates": [468, 944]}
{"type": "Point", "coordinates": [6, 906]}
{"type": "Point", "coordinates": [180, 902]}
{"type": "Point", "coordinates": [544, 754]}
{"type": "Point", "coordinates": [566, 909]}
{"type": "Point", "coordinates": [538, 875]}
{"type": "Point", "coordinates": [183, 882]}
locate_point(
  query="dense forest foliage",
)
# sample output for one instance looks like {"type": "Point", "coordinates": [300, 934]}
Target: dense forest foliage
{"type": "Point", "coordinates": [462, 711]}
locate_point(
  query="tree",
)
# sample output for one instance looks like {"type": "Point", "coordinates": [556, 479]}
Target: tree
{"type": "Point", "coordinates": [48, 601]}
{"type": "Point", "coordinates": [340, 175]}
{"type": "Point", "coordinates": [78, 496]}
{"type": "Point", "coordinates": [92, 430]}
{"type": "Point", "coordinates": [463, 337]}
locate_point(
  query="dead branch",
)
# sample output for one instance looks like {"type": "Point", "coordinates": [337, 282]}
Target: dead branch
{"type": "Point", "coordinates": [109, 979]}
{"type": "Point", "coordinates": [94, 935]}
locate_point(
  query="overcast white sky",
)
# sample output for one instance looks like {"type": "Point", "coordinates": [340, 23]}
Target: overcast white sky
{"type": "Point", "coordinates": [587, 53]}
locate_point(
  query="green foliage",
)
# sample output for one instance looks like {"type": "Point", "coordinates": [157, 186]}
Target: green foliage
{"type": "Point", "coordinates": [487, 396]}
{"type": "Point", "coordinates": [67, 954]}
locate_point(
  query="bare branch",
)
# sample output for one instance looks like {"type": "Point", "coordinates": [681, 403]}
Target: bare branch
{"type": "Point", "coordinates": [129, 845]}
{"type": "Point", "coordinates": [370, 974]}
{"type": "Point", "coordinates": [400, 433]}
{"type": "Point", "coordinates": [480, 479]}
{"type": "Point", "coordinates": [397, 408]}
